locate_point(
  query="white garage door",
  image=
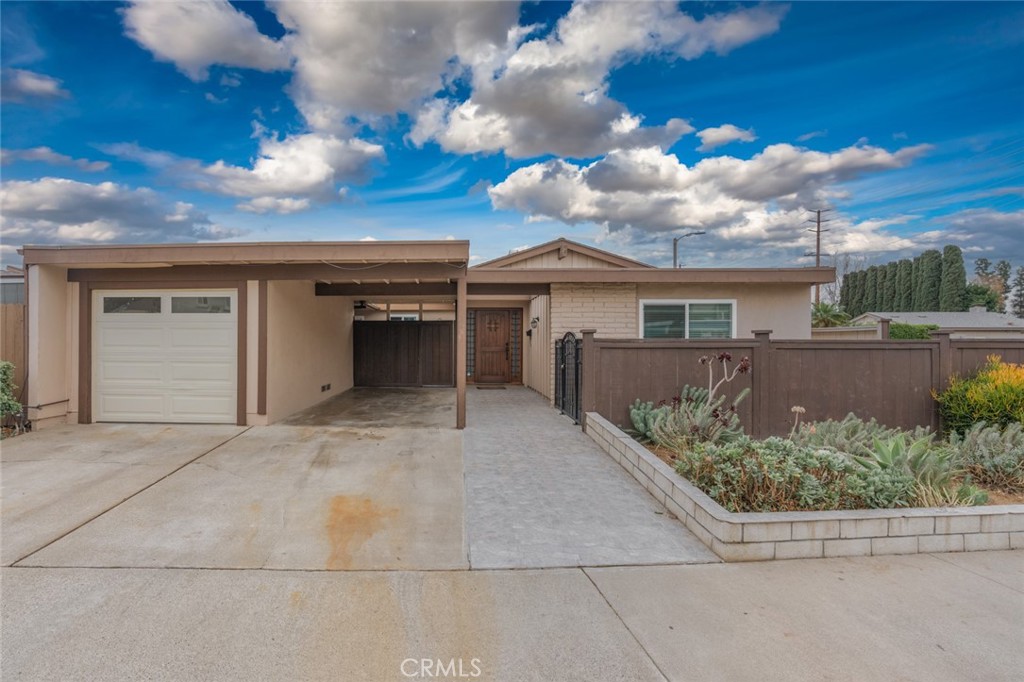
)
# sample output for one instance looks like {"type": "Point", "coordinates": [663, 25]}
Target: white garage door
{"type": "Point", "coordinates": [165, 356]}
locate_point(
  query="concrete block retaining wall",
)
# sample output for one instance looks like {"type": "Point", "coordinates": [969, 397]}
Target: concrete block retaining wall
{"type": "Point", "coordinates": [800, 535]}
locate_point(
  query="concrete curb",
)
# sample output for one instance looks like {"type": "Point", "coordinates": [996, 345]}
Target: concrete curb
{"type": "Point", "coordinates": [804, 535]}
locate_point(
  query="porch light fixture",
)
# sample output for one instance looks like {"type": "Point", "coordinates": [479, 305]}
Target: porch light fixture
{"type": "Point", "coordinates": [534, 322]}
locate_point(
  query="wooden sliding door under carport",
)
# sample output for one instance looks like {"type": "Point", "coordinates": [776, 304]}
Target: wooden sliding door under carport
{"type": "Point", "coordinates": [406, 353]}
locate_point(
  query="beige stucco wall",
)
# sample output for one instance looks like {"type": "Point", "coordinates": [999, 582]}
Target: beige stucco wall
{"type": "Point", "coordinates": [538, 348]}
{"type": "Point", "coordinates": [49, 353]}
{"type": "Point", "coordinates": [309, 344]}
{"type": "Point", "coordinates": [783, 308]}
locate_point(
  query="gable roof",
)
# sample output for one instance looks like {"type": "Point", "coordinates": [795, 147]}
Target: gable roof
{"type": "Point", "coordinates": [968, 320]}
{"type": "Point", "coordinates": [563, 246]}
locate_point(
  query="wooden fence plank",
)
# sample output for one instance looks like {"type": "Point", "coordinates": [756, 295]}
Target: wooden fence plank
{"type": "Point", "coordinates": [12, 343]}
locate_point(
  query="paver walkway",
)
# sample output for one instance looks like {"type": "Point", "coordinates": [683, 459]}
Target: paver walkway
{"type": "Point", "coordinates": [539, 493]}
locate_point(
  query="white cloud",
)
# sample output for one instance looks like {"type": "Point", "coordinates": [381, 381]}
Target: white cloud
{"type": "Point", "coordinates": [286, 176]}
{"type": "Point", "coordinates": [230, 80]}
{"type": "Point", "coordinates": [57, 210]}
{"type": "Point", "coordinates": [811, 135]}
{"type": "Point", "coordinates": [711, 138]}
{"type": "Point", "coordinates": [371, 59]}
{"type": "Point", "coordinates": [197, 34]}
{"type": "Point", "coordinates": [47, 155]}
{"type": "Point", "coordinates": [20, 85]}
{"type": "Point", "coordinates": [640, 195]}
{"type": "Point", "coordinates": [551, 95]}
{"type": "Point", "coordinates": [213, 99]}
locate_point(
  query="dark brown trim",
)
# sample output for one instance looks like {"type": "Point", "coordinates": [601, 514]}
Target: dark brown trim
{"type": "Point", "coordinates": [261, 370]}
{"type": "Point", "coordinates": [84, 353]}
{"type": "Point", "coordinates": [85, 332]}
{"type": "Point", "coordinates": [491, 289]}
{"type": "Point", "coordinates": [653, 275]}
{"type": "Point", "coordinates": [452, 251]}
{"type": "Point", "coordinates": [397, 289]}
{"type": "Point", "coordinates": [241, 365]}
{"type": "Point", "coordinates": [292, 271]}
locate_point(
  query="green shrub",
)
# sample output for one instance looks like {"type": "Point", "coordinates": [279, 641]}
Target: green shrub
{"type": "Point", "coordinates": [694, 418]}
{"type": "Point", "coordinates": [9, 405]}
{"type": "Point", "coordinates": [777, 474]}
{"type": "Point", "coordinates": [851, 435]}
{"type": "Point", "coordinates": [902, 331]}
{"type": "Point", "coordinates": [991, 456]}
{"type": "Point", "coordinates": [643, 416]}
{"type": "Point", "coordinates": [931, 467]}
{"type": "Point", "coordinates": [995, 395]}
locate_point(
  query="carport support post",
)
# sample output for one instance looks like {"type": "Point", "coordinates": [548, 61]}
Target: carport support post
{"type": "Point", "coordinates": [460, 353]}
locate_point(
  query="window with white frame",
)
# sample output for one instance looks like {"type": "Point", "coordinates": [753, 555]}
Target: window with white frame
{"type": "Point", "coordinates": [686, 319]}
{"type": "Point", "coordinates": [404, 317]}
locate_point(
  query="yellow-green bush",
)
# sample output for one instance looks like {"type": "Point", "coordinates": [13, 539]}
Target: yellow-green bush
{"type": "Point", "coordinates": [995, 395]}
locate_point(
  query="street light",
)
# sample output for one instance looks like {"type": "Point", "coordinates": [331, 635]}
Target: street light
{"type": "Point", "coordinates": [675, 246]}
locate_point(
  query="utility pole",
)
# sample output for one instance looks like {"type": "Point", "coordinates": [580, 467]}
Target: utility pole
{"type": "Point", "coordinates": [817, 249]}
{"type": "Point", "coordinates": [675, 246]}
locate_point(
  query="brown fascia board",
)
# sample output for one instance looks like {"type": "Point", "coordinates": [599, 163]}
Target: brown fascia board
{"type": "Point", "coordinates": [654, 275]}
{"type": "Point", "coordinates": [157, 255]}
{"type": "Point", "coordinates": [591, 251]}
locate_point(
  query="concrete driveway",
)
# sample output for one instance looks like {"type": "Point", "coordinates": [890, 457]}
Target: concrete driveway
{"type": "Point", "coordinates": [55, 481]}
{"type": "Point", "coordinates": [288, 497]}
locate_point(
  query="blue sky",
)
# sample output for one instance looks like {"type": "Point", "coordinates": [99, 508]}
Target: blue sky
{"type": "Point", "coordinates": [620, 125]}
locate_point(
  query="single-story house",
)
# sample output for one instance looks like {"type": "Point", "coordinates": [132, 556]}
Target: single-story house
{"type": "Point", "coordinates": [250, 333]}
{"type": "Point", "coordinates": [976, 323]}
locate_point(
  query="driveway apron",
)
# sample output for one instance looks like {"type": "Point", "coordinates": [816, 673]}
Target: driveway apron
{"type": "Point", "coordinates": [539, 493]}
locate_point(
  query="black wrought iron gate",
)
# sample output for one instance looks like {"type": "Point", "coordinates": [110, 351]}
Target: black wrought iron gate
{"type": "Point", "coordinates": [568, 369]}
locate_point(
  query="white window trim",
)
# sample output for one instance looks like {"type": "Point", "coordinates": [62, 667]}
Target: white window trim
{"type": "Point", "coordinates": [686, 302]}
{"type": "Point", "coordinates": [404, 317]}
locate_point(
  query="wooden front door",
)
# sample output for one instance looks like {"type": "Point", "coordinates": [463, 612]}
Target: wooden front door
{"type": "Point", "coordinates": [493, 350]}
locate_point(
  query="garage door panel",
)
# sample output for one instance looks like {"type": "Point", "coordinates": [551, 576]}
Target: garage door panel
{"type": "Point", "coordinates": [131, 407]}
{"type": "Point", "coordinates": [200, 339]}
{"type": "Point", "coordinates": [132, 339]}
{"type": "Point", "coordinates": [202, 408]}
{"type": "Point", "coordinates": [203, 372]}
{"type": "Point", "coordinates": [133, 372]}
{"type": "Point", "coordinates": [165, 366]}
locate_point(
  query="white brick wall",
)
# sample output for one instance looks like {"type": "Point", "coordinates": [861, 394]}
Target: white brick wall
{"type": "Point", "coordinates": [611, 309]}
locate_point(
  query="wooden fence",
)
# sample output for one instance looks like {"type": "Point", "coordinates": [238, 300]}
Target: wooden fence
{"type": "Point", "coordinates": [12, 342]}
{"type": "Point", "coordinates": [891, 381]}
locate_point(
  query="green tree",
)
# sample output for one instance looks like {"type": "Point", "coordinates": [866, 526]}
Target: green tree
{"type": "Point", "coordinates": [982, 267]}
{"type": "Point", "coordinates": [953, 286]}
{"type": "Point", "coordinates": [905, 285]}
{"type": "Point", "coordinates": [891, 297]}
{"type": "Point", "coordinates": [979, 294]}
{"type": "Point", "coordinates": [828, 315]}
{"type": "Point", "coordinates": [844, 293]}
{"type": "Point", "coordinates": [929, 281]}
{"type": "Point", "coordinates": [871, 290]}
{"type": "Point", "coordinates": [880, 276]}
{"type": "Point", "coordinates": [1003, 271]}
{"type": "Point", "coordinates": [1017, 302]}
{"type": "Point", "coordinates": [917, 271]}
{"type": "Point", "coordinates": [857, 293]}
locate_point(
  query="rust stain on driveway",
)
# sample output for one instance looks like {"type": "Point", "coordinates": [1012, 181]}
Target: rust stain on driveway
{"type": "Point", "coordinates": [351, 521]}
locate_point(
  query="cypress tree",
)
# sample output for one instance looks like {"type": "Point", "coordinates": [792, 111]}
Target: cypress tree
{"type": "Point", "coordinates": [930, 281]}
{"type": "Point", "coordinates": [953, 286]}
{"type": "Point", "coordinates": [905, 285]}
{"type": "Point", "coordinates": [856, 293]}
{"type": "Point", "coordinates": [1017, 302]}
{"type": "Point", "coordinates": [881, 274]}
{"type": "Point", "coordinates": [844, 293]}
{"type": "Point", "coordinates": [891, 298]}
{"type": "Point", "coordinates": [1003, 272]}
{"type": "Point", "coordinates": [918, 272]}
{"type": "Point", "coordinates": [871, 290]}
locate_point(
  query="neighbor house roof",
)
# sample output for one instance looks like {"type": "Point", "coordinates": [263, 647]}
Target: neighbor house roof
{"type": "Point", "coordinates": [563, 247]}
{"type": "Point", "coordinates": [968, 320]}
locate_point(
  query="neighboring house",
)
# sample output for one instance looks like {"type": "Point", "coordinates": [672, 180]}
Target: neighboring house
{"type": "Point", "coordinates": [975, 323]}
{"type": "Point", "coordinates": [12, 285]}
{"type": "Point", "coordinates": [251, 333]}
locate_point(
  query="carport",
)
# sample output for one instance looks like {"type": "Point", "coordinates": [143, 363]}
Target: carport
{"type": "Point", "coordinates": [231, 333]}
